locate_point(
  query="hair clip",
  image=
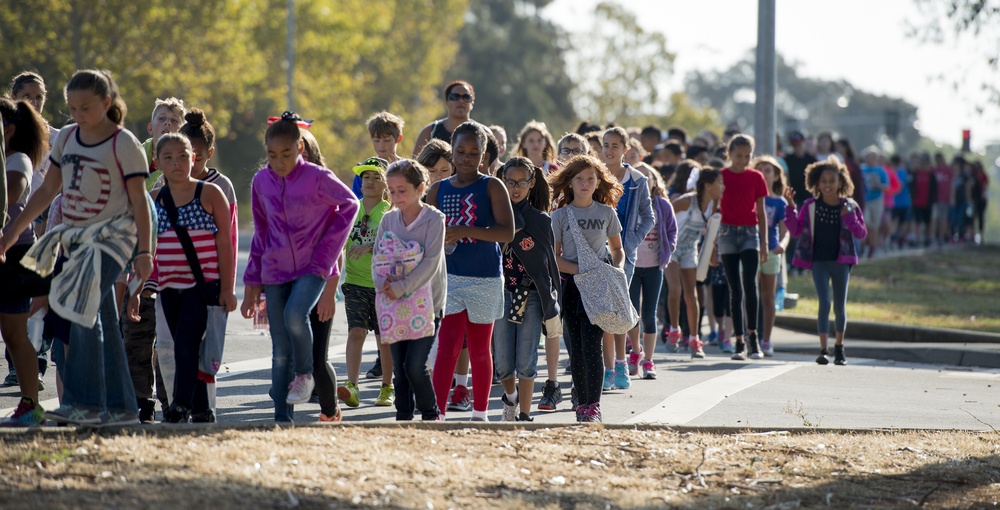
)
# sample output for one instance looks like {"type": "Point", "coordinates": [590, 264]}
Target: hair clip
{"type": "Point", "coordinates": [292, 116]}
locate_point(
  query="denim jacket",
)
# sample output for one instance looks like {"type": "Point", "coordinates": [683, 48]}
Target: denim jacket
{"type": "Point", "coordinates": [852, 225]}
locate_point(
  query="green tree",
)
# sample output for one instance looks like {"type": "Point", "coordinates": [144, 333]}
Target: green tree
{"type": "Point", "coordinates": [515, 60]}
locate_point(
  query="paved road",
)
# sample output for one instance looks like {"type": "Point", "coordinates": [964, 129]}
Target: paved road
{"type": "Point", "coordinates": [788, 390]}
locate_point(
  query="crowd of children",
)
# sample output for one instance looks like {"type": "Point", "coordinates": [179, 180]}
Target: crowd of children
{"type": "Point", "coordinates": [463, 259]}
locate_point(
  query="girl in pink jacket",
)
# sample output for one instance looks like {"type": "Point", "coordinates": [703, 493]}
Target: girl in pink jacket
{"type": "Point", "coordinates": [302, 215]}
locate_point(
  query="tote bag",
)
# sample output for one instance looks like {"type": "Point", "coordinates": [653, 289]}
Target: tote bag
{"type": "Point", "coordinates": [410, 317]}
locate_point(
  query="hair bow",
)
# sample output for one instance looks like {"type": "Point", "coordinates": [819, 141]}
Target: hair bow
{"type": "Point", "coordinates": [291, 116]}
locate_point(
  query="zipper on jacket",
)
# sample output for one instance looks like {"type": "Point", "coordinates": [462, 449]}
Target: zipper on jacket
{"type": "Point", "coordinates": [284, 214]}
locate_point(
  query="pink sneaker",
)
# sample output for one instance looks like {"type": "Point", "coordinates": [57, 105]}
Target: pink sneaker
{"type": "Point", "coordinates": [697, 348]}
{"type": "Point", "coordinates": [633, 362]}
{"type": "Point", "coordinates": [673, 338]}
{"type": "Point", "coordinates": [648, 369]}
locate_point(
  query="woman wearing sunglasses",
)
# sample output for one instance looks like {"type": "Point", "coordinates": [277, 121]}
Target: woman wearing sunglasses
{"type": "Point", "coordinates": [459, 98]}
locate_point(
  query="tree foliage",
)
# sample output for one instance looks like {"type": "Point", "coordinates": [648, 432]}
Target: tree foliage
{"type": "Point", "coordinates": [809, 105]}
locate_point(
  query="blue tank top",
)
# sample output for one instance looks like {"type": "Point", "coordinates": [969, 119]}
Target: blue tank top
{"type": "Point", "coordinates": [470, 206]}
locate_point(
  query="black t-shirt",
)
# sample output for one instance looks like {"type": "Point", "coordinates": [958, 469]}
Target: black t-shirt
{"type": "Point", "coordinates": [826, 233]}
{"type": "Point", "coordinates": [797, 175]}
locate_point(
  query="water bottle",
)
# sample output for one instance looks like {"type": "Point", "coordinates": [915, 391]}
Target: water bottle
{"type": "Point", "coordinates": [260, 316]}
{"type": "Point", "coordinates": [449, 249]}
{"type": "Point", "coordinates": [779, 299]}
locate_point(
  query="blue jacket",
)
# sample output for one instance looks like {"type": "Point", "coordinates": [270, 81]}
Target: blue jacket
{"type": "Point", "coordinates": [640, 214]}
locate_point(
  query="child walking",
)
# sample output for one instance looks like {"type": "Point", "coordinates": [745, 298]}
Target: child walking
{"type": "Point", "coordinates": [293, 255]}
{"type": "Point", "coordinates": [827, 225]}
{"type": "Point", "coordinates": [100, 169]}
{"type": "Point", "coordinates": [744, 221]}
{"type": "Point", "coordinates": [777, 241]}
{"type": "Point", "coordinates": [585, 185]}
{"type": "Point", "coordinates": [359, 287]}
{"type": "Point", "coordinates": [193, 221]}
{"type": "Point", "coordinates": [479, 218]}
{"type": "Point", "coordinates": [531, 291]}
{"type": "Point", "coordinates": [682, 271]}
{"type": "Point", "coordinates": [413, 220]}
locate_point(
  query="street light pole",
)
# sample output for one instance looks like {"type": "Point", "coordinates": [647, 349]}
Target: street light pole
{"type": "Point", "coordinates": [290, 55]}
{"type": "Point", "coordinates": [765, 79]}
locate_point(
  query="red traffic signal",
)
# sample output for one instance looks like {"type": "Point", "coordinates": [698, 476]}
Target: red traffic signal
{"type": "Point", "coordinates": [966, 137]}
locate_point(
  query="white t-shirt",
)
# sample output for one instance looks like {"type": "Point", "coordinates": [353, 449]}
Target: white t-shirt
{"type": "Point", "coordinates": [43, 166]}
{"type": "Point", "coordinates": [94, 175]}
{"type": "Point", "coordinates": [19, 162]}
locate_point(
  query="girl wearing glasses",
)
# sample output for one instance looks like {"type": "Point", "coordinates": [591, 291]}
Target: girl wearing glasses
{"type": "Point", "coordinates": [459, 98]}
{"type": "Point", "coordinates": [531, 291]}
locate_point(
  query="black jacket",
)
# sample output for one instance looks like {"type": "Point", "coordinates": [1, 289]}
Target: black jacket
{"type": "Point", "coordinates": [534, 247]}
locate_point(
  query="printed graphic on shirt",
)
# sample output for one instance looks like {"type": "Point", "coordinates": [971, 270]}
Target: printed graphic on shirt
{"type": "Point", "coordinates": [460, 211]}
{"type": "Point", "coordinates": [363, 232]}
{"type": "Point", "coordinates": [527, 244]}
{"type": "Point", "coordinates": [88, 190]}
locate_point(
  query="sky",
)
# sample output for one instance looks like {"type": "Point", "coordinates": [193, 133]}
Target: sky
{"type": "Point", "coordinates": [861, 41]}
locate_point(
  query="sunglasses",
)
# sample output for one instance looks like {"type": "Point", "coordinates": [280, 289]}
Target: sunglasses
{"type": "Point", "coordinates": [454, 96]}
{"type": "Point", "coordinates": [565, 151]}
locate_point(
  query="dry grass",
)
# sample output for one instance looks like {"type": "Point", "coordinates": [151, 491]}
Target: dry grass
{"type": "Point", "coordinates": [549, 468]}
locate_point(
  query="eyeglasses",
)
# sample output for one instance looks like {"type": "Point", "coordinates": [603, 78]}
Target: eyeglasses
{"type": "Point", "coordinates": [518, 184]}
{"type": "Point", "coordinates": [454, 96]}
{"type": "Point", "coordinates": [566, 151]}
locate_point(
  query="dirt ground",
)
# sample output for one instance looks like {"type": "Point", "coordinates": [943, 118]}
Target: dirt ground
{"type": "Point", "coordinates": [579, 467]}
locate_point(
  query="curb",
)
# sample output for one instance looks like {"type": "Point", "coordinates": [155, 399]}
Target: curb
{"type": "Point", "coordinates": [916, 354]}
{"type": "Point", "coordinates": [865, 330]}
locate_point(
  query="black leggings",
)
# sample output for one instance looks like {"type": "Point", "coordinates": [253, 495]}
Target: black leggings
{"type": "Point", "coordinates": [749, 260]}
{"type": "Point", "coordinates": [585, 346]}
{"type": "Point", "coordinates": [323, 372]}
{"type": "Point", "coordinates": [187, 316]}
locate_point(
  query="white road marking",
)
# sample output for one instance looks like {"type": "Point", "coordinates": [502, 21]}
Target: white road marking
{"type": "Point", "coordinates": [690, 403]}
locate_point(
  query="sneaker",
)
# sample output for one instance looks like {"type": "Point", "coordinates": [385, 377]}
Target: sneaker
{"type": "Point", "coordinates": [739, 353]}
{"type": "Point", "coordinates": [120, 419]}
{"type": "Point", "coordinates": [11, 379]}
{"type": "Point", "coordinates": [524, 417]}
{"type": "Point", "coordinates": [713, 338]}
{"type": "Point", "coordinates": [300, 389]}
{"type": "Point", "coordinates": [41, 384]}
{"type": "Point", "coordinates": [480, 418]}
{"type": "Point", "coordinates": [386, 396]}
{"type": "Point", "coordinates": [609, 379]}
{"type": "Point", "coordinates": [376, 370]}
{"type": "Point", "coordinates": [823, 358]}
{"type": "Point", "coordinates": [648, 369]}
{"type": "Point", "coordinates": [73, 415]}
{"type": "Point", "coordinates": [176, 413]}
{"type": "Point", "coordinates": [726, 345]}
{"type": "Point", "coordinates": [336, 418]}
{"type": "Point", "coordinates": [592, 414]}
{"type": "Point", "coordinates": [767, 348]}
{"type": "Point", "coordinates": [551, 396]}
{"type": "Point", "coordinates": [622, 381]}
{"type": "Point", "coordinates": [633, 362]}
{"type": "Point", "coordinates": [460, 399]}
{"type": "Point", "coordinates": [754, 346]}
{"type": "Point", "coordinates": [27, 414]}
{"type": "Point", "coordinates": [573, 400]}
{"type": "Point", "coordinates": [673, 338]}
{"type": "Point", "coordinates": [838, 355]}
{"type": "Point", "coordinates": [509, 408]}
{"type": "Point", "coordinates": [349, 394]}
{"type": "Point", "coordinates": [147, 410]}
{"type": "Point", "coordinates": [206, 416]}
{"type": "Point", "coordinates": [697, 349]}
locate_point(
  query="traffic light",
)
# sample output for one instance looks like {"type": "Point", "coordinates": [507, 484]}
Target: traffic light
{"type": "Point", "coordinates": [966, 136]}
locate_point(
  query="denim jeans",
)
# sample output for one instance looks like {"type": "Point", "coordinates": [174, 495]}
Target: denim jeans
{"type": "Point", "coordinates": [515, 346]}
{"type": "Point", "coordinates": [412, 380]}
{"type": "Point", "coordinates": [646, 284]}
{"type": "Point", "coordinates": [96, 375]}
{"type": "Point", "coordinates": [840, 274]}
{"type": "Point", "coordinates": [734, 239]}
{"type": "Point", "coordinates": [288, 308]}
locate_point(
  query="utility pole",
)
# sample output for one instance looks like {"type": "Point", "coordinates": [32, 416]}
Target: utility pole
{"type": "Point", "coordinates": [290, 56]}
{"type": "Point", "coordinates": [765, 79]}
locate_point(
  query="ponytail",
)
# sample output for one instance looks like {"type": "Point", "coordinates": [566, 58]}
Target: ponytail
{"type": "Point", "coordinates": [31, 136]}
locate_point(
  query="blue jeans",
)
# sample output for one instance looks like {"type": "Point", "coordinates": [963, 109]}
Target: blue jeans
{"type": "Point", "coordinates": [288, 307]}
{"type": "Point", "coordinates": [515, 346]}
{"type": "Point", "coordinates": [734, 239]}
{"type": "Point", "coordinates": [840, 274]}
{"type": "Point", "coordinates": [414, 389]}
{"type": "Point", "coordinates": [96, 375]}
{"type": "Point", "coordinates": [646, 284]}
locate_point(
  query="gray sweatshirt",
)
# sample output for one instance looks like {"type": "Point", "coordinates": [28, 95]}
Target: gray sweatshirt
{"type": "Point", "coordinates": [428, 230]}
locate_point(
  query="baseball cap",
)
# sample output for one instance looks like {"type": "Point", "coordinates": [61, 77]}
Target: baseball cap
{"type": "Point", "coordinates": [371, 165]}
{"type": "Point", "coordinates": [796, 137]}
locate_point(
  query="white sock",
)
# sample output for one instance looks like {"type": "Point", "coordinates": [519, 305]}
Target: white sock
{"type": "Point", "coordinates": [675, 330]}
{"type": "Point", "coordinates": [619, 362]}
{"type": "Point", "coordinates": [480, 414]}
{"type": "Point", "coordinates": [461, 379]}
{"type": "Point", "coordinates": [512, 397]}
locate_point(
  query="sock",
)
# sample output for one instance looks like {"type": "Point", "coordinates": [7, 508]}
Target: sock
{"type": "Point", "coordinates": [675, 330]}
{"type": "Point", "coordinates": [461, 379]}
{"type": "Point", "coordinates": [692, 338]}
{"type": "Point", "coordinates": [512, 397]}
{"type": "Point", "coordinates": [479, 414]}
{"type": "Point", "coordinates": [619, 362]}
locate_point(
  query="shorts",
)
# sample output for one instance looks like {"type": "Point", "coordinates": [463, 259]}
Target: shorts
{"type": "Point", "coordinates": [736, 239]}
{"type": "Point", "coordinates": [902, 214]}
{"type": "Point", "coordinates": [360, 304]}
{"type": "Point", "coordinates": [686, 252]}
{"type": "Point", "coordinates": [773, 264]}
{"type": "Point", "coordinates": [482, 298]}
{"type": "Point", "coordinates": [942, 211]}
{"type": "Point", "coordinates": [922, 215]}
{"type": "Point", "coordinates": [874, 209]}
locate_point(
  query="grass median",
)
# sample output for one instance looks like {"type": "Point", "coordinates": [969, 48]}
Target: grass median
{"type": "Point", "coordinates": [579, 467]}
{"type": "Point", "coordinates": [957, 288]}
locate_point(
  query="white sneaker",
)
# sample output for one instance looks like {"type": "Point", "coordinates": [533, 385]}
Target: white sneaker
{"type": "Point", "coordinates": [509, 409]}
{"type": "Point", "coordinates": [300, 389]}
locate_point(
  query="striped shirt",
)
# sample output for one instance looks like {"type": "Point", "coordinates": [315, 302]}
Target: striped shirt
{"type": "Point", "coordinates": [171, 265]}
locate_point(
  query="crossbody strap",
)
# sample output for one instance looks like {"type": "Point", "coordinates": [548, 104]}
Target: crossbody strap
{"type": "Point", "coordinates": [586, 257]}
{"type": "Point", "coordinates": [167, 200]}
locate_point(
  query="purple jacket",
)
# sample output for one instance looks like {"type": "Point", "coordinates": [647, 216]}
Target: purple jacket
{"type": "Point", "coordinates": [301, 223]}
{"type": "Point", "coordinates": [667, 224]}
{"type": "Point", "coordinates": [853, 225]}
